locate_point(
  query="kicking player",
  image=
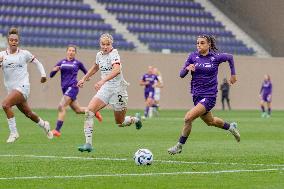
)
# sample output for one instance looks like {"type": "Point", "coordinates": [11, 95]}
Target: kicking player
{"type": "Point", "coordinates": [265, 96]}
{"type": "Point", "coordinates": [148, 80]}
{"type": "Point", "coordinates": [14, 62]}
{"type": "Point", "coordinates": [111, 90]}
{"type": "Point", "coordinates": [69, 68]}
{"type": "Point", "coordinates": [203, 67]}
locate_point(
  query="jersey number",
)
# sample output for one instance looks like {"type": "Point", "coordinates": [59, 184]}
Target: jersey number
{"type": "Point", "coordinates": [119, 98]}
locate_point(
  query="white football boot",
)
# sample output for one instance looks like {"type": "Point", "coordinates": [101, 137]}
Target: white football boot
{"type": "Point", "coordinates": [233, 129]}
{"type": "Point", "coordinates": [176, 149]}
{"type": "Point", "coordinates": [13, 137]}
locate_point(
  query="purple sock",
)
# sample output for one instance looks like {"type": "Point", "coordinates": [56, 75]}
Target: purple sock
{"type": "Point", "coordinates": [146, 111]}
{"type": "Point", "coordinates": [226, 126]}
{"type": "Point", "coordinates": [262, 109]}
{"type": "Point", "coordinates": [59, 125]}
{"type": "Point", "coordinates": [182, 139]}
{"type": "Point", "coordinates": [269, 111]}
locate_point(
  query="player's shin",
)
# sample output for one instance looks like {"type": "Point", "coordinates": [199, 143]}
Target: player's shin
{"type": "Point", "coordinates": [88, 126]}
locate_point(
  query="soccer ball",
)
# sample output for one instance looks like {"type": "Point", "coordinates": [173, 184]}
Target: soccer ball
{"type": "Point", "coordinates": [143, 157]}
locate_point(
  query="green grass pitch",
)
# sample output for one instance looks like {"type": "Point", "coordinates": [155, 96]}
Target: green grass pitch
{"type": "Point", "coordinates": [210, 159]}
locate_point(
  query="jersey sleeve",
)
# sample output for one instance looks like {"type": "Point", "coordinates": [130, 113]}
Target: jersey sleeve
{"type": "Point", "coordinates": [184, 71]}
{"type": "Point", "coordinates": [97, 58]}
{"type": "Point", "coordinates": [114, 57]}
{"type": "Point", "coordinates": [82, 68]}
{"type": "Point", "coordinates": [224, 57]}
{"type": "Point", "coordinates": [29, 57]}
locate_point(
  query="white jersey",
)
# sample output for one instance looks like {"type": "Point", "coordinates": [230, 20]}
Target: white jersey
{"type": "Point", "coordinates": [158, 89]}
{"type": "Point", "coordinates": [105, 62]}
{"type": "Point", "coordinates": [14, 67]}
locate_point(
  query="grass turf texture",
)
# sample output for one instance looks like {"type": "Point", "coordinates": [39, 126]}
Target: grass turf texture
{"type": "Point", "coordinates": [207, 151]}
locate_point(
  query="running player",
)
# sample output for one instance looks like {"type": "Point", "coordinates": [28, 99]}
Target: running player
{"type": "Point", "coordinates": [265, 96]}
{"type": "Point", "coordinates": [203, 67]}
{"type": "Point", "coordinates": [158, 85]}
{"type": "Point", "coordinates": [148, 81]}
{"type": "Point", "coordinates": [14, 62]}
{"type": "Point", "coordinates": [69, 68]}
{"type": "Point", "coordinates": [111, 90]}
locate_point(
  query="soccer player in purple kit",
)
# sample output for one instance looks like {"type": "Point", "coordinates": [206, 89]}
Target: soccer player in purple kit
{"type": "Point", "coordinates": [148, 81]}
{"type": "Point", "coordinates": [266, 96]}
{"type": "Point", "coordinates": [69, 68]}
{"type": "Point", "coordinates": [203, 66]}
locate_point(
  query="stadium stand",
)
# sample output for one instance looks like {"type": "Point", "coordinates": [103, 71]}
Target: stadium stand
{"type": "Point", "coordinates": [56, 23]}
{"type": "Point", "coordinates": [174, 25]}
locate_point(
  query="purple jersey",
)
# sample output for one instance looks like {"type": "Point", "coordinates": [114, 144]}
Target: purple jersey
{"type": "Point", "coordinates": [151, 78]}
{"type": "Point", "coordinates": [69, 71]}
{"type": "Point", "coordinates": [266, 88]}
{"type": "Point", "coordinates": [204, 80]}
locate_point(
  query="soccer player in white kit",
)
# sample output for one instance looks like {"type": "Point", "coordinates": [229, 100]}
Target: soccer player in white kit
{"type": "Point", "coordinates": [14, 63]}
{"type": "Point", "coordinates": [111, 90]}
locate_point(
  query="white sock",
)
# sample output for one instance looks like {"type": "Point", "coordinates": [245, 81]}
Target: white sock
{"type": "Point", "coordinates": [150, 112]}
{"type": "Point", "coordinates": [40, 123]}
{"type": "Point", "coordinates": [12, 125]}
{"type": "Point", "coordinates": [88, 126]}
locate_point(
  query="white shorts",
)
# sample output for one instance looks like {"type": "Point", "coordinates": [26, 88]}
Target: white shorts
{"type": "Point", "coordinates": [157, 97]}
{"type": "Point", "coordinates": [24, 89]}
{"type": "Point", "coordinates": [116, 97]}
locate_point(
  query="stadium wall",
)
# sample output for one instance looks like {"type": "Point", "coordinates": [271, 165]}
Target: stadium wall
{"type": "Point", "coordinates": [175, 94]}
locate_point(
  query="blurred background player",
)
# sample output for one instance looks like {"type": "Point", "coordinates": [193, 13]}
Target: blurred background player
{"type": "Point", "coordinates": [111, 90]}
{"type": "Point", "coordinates": [225, 89]}
{"type": "Point", "coordinates": [203, 66]}
{"type": "Point", "coordinates": [265, 96]}
{"type": "Point", "coordinates": [157, 86]}
{"type": "Point", "coordinates": [69, 68]}
{"type": "Point", "coordinates": [14, 63]}
{"type": "Point", "coordinates": [148, 81]}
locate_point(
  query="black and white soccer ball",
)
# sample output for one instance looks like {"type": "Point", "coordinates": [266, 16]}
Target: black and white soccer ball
{"type": "Point", "coordinates": [143, 157]}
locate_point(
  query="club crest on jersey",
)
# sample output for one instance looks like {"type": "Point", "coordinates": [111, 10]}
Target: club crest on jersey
{"type": "Point", "coordinates": [212, 59]}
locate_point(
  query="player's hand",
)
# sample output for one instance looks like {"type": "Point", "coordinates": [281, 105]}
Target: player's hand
{"type": "Point", "coordinates": [233, 79]}
{"type": "Point", "coordinates": [56, 68]}
{"type": "Point", "coordinates": [1, 59]}
{"type": "Point", "coordinates": [80, 83]}
{"type": "Point", "coordinates": [43, 79]}
{"type": "Point", "coordinates": [190, 67]}
{"type": "Point", "coordinates": [99, 84]}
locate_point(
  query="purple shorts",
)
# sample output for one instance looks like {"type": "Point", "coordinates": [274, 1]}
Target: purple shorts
{"type": "Point", "coordinates": [72, 92]}
{"type": "Point", "coordinates": [266, 97]}
{"type": "Point", "coordinates": [207, 102]}
{"type": "Point", "coordinates": [149, 94]}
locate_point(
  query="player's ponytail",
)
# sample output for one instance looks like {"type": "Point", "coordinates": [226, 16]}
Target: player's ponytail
{"type": "Point", "coordinates": [213, 43]}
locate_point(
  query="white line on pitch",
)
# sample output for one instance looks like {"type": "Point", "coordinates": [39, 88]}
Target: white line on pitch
{"type": "Point", "coordinates": [125, 159]}
{"type": "Point", "coordinates": [141, 174]}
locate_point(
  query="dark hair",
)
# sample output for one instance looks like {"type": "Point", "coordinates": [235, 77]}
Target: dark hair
{"type": "Point", "coordinates": [210, 39]}
{"type": "Point", "coordinates": [71, 45]}
{"type": "Point", "coordinates": [13, 31]}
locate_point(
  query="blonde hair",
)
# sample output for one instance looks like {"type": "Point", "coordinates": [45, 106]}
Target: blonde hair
{"type": "Point", "coordinates": [106, 36]}
{"type": "Point", "coordinates": [13, 30]}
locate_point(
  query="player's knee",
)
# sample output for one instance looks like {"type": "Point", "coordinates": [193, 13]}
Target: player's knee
{"type": "Point", "coordinates": [6, 105]}
{"type": "Point", "coordinates": [77, 111]}
{"type": "Point", "coordinates": [60, 108]}
{"type": "Point", "coordinates": [209, 122]}
{"type": "Point", "coordinates": [188, 121]}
